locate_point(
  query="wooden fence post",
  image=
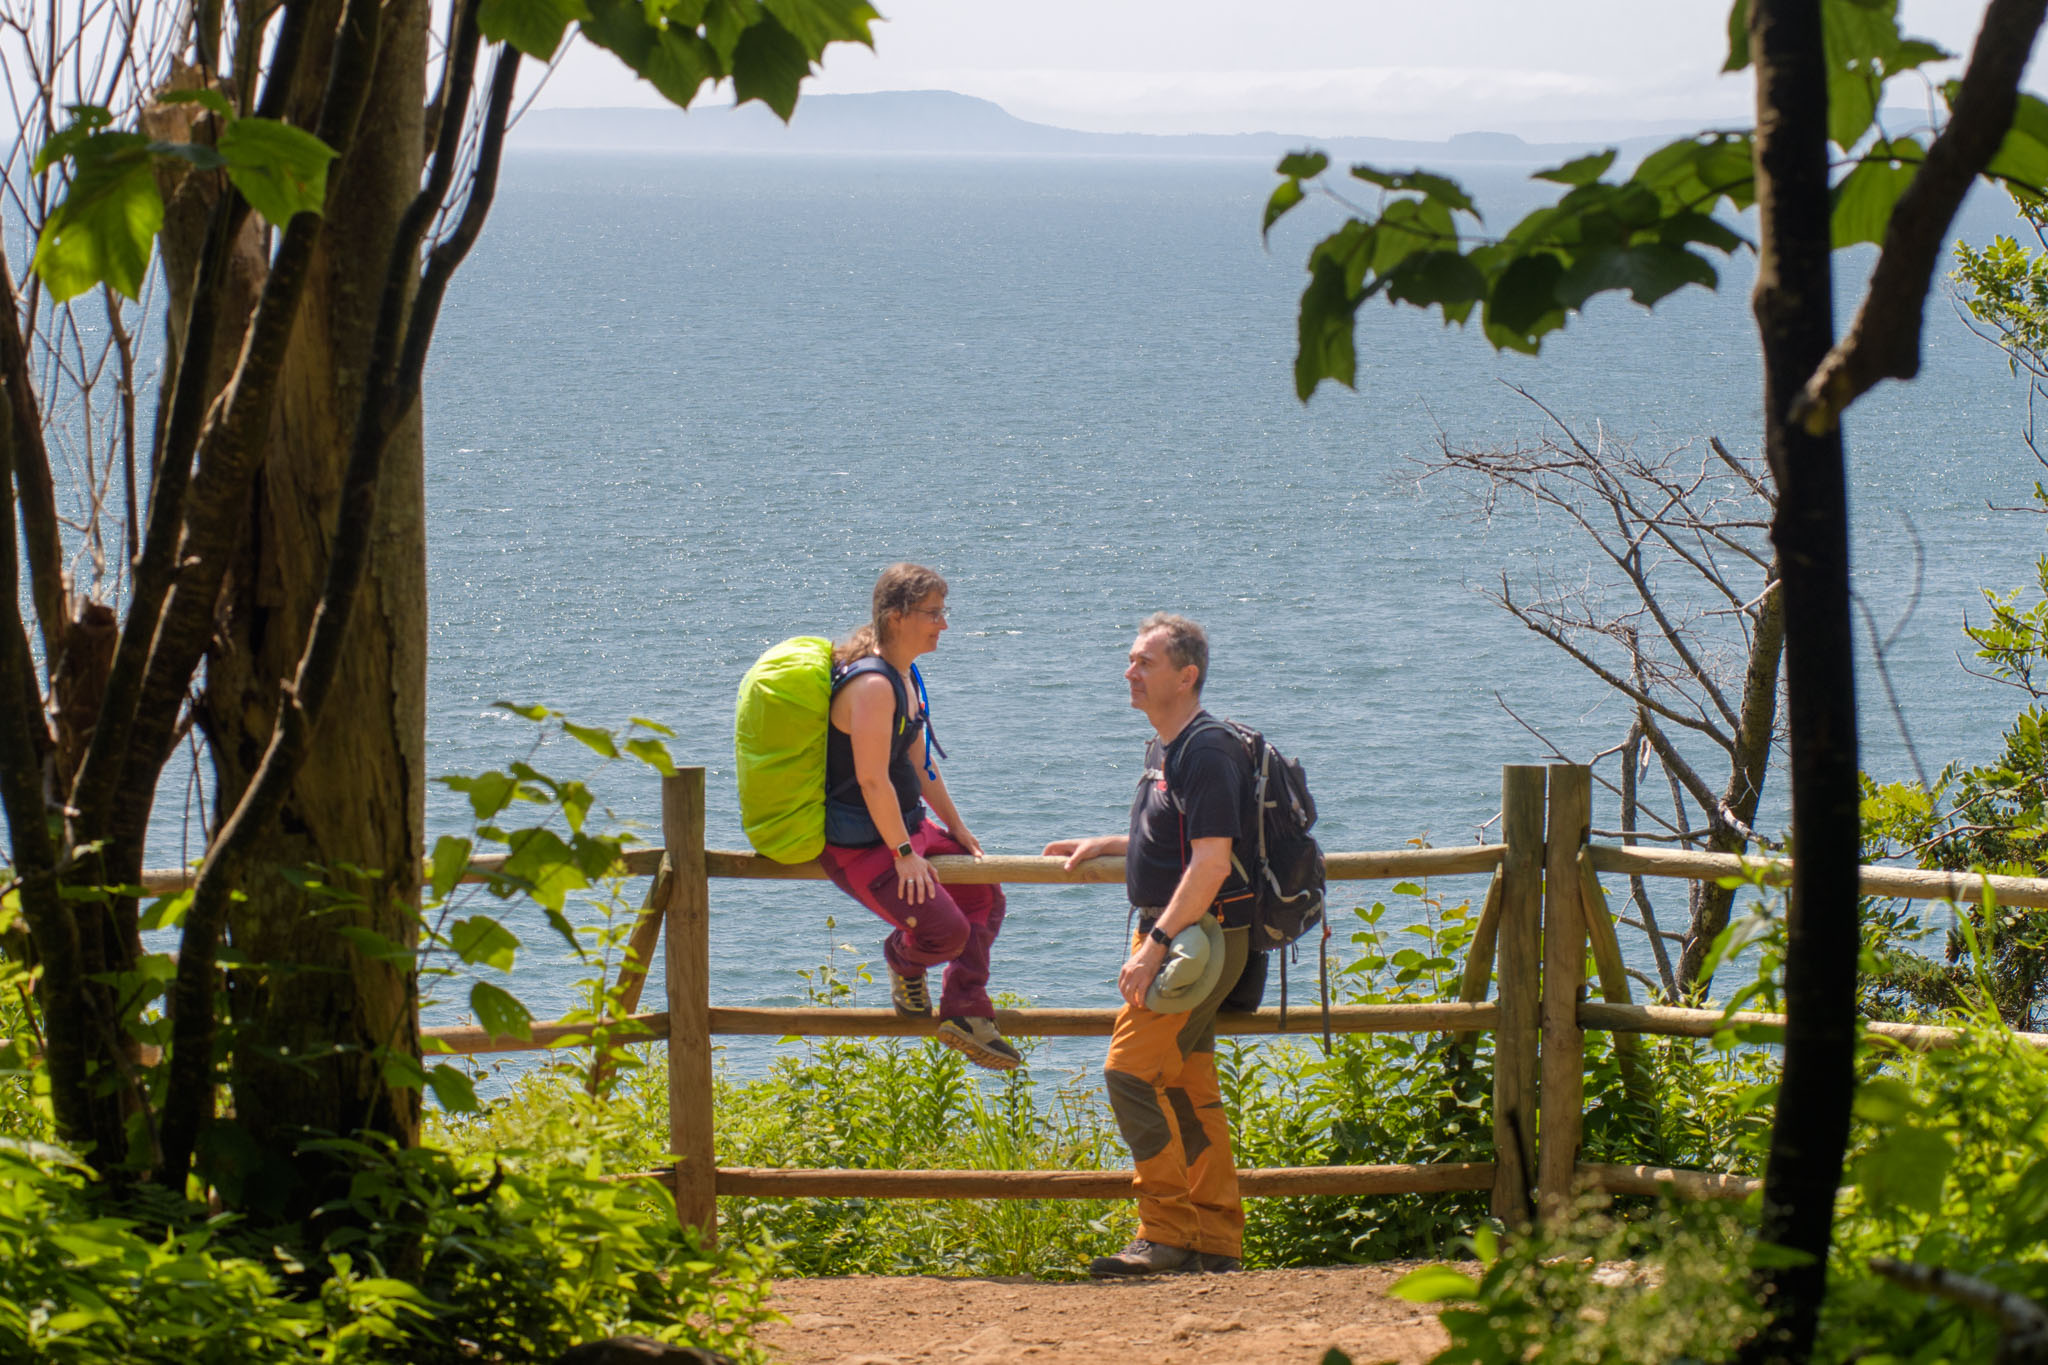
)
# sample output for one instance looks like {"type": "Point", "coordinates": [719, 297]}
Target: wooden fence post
{"type": "Point", "coordinates": [686, 910]}
{"type": "Point", "coordinates": [1519, 952]}
{"type": "Point", "coordinates": [1564, 972]}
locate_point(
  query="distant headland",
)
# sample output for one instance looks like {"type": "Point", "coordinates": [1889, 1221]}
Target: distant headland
{"type": "Point", "coordinates": [942, 122]}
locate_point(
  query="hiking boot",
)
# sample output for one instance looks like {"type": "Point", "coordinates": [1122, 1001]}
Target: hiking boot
{"type": "Point", "coordinates": [1216, 1263]}
{"type": "Point", "coordinates": [977, 1040]}
{"type": "Point", "coordinates": [909, 994]}
{"type": "Point", "coordinates": [1146, 1258]}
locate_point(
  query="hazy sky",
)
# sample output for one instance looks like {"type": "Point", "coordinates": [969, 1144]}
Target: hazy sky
{"type": "Point", "coordinates": [1413, 68]}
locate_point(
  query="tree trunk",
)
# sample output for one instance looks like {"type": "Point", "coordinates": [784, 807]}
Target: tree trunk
{"type": "Point", "coordinates": [1751, 760]}
{"type": "Point", "coordinates": [1795, 316]}
{"type": "Point", "coordinates": [357, 809]}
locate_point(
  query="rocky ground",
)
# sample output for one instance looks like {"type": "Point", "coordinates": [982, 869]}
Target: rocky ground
{"type": "Point", "coordinates": [1285, 1317]}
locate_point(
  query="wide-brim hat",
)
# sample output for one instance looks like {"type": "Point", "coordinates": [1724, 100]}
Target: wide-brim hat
{"type": "Point", "coordinates": [1193, 967]}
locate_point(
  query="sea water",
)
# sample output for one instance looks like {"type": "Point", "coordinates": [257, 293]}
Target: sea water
{"type": "Point", "coordinates": [682, 407]}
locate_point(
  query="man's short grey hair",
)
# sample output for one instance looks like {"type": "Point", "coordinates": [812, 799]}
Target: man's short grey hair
{"type": "Point", "coordinates": [1186, 642]}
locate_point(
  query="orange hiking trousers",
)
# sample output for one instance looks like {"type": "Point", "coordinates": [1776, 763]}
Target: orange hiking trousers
{"type": "Point", "coordinates": [1161, 1077]}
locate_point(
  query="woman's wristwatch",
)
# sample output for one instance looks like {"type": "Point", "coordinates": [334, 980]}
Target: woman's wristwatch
{"type": "Point", "coordinates": [904, 849]}
{"type": "Point", "coordinates": [1159, 936]}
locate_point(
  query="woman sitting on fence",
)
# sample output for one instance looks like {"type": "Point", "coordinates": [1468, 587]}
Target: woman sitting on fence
{"type": "Point", "coordinates": [879, 776]}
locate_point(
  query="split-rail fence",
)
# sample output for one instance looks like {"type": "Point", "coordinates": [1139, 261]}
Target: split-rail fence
{"type": "Point", "coordinates": [1542, 910]}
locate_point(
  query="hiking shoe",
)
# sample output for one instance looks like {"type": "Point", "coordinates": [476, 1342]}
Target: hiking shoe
{"type": "Point", "coordinates": [977, 1040]}
{"type": "Point", "coordinates": [1146, 1258]}
{"type": "Point", "coordinates": [909, 994]}
{"type": "Point", "coordinates": [1216, 1263]}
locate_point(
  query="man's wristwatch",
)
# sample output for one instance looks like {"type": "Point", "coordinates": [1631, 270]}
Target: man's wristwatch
{"type": "Point", "coordinates": [1159, 936]}
{"type": "Point", "coordinates": [904, 850]}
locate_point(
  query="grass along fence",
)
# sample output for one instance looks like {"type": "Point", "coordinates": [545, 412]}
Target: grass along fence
{"type": "Point", "coordinates": [1542, 909]}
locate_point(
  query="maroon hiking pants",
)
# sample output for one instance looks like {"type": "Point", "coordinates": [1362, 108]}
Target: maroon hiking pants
{"type": "Point", "coordinates": [957, 926]}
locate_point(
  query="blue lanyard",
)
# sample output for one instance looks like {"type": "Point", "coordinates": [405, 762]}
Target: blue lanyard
{"type": "Point", "coordinates": [931, 739]}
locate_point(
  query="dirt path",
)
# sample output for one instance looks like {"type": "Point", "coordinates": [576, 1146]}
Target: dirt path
{"type": "Point", "coordinates": [1269, 1317]}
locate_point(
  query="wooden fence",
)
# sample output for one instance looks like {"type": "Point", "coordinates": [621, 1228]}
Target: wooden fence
{"type": "Point", "coordinates": [1542, 909]}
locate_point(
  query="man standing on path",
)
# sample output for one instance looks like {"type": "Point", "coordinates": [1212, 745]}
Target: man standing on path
{"type": "Point", "coordinates": [1161, 1069]}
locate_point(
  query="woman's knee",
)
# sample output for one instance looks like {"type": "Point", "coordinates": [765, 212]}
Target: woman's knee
{"type": "Point", "coordinates": [939, 929]}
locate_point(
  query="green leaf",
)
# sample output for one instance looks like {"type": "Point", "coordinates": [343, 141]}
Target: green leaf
{"type": "Point", "coordinates": [1583, 171]}
{"type": "Point", "coordinates": [535, 27]}
{"type": "Point", "coordinates": [104, 230]}
{"type": "Point", "coordinates": [167, 912]}
{"type": "Point", "coordinates": [597, 739]}
{"type": "Point", "coordinates": [450, 860]}
{"type": "Point", "coordinates": [482, 941]}
{"type": "Point", "coordinates": [489, 792]}
{"type": "Point", "coordinates": [1523, 303]}
{"type": "Point", "coordinates": [1738, 37]}
{"type": "Point", "coordinates": [499, 1012]}
{"type": "Point", "coordinates": [452, 1090]}
{"type": "Point", "coordinates": [1434, 1284]}
{"type": "Point", "coordinates": [1906, 1167]}
{"type": "Point", "coordinates": [280, 170]}
{"type": "Point", "coordinates": [1430, 185]}
{"type": "Point", "coordinates": [656, 726]}
{"type": "Point", "coordinates": [1863, 200]}
{"type": "Point", "coordinates": [210, 98]}
{"type": "Point", "coordinates": [654, 754]}
{"type": "Point", "coordinates": [2022, 158]}
{"type": "Point", "coordinates": [86, 120]}
{"type": "Point", "coordinates": [1649, 273]}
{"type": "Point", "coordinates": [1285, 196]}
{"type": "Point", "coordinates": [546, 864]}
{"type": "Point", "coordinates": [816, 23]}
{"type": "Point", "coordinates": [1303, 165]}
{"type": "Point", "coordinates": [1885, 1101]}
{"type": "Point", "coordinates": [532, 713]}
{"type": "Point", "coordinates": [1441, 279]}
{"type": "Point", "coordinates": [575, 799]}
{"type": "Point", "coordinates": [1325, 349]}
{"type": "Point", "coordinates": [769, 64]}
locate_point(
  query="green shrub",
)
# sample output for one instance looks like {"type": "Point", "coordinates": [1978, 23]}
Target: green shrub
{"type": "Point", "coordinates": [431, 1258]}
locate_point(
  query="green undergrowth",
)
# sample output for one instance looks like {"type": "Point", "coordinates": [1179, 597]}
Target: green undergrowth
{"type": "Point", "coordinates": [1374, 1099]}
{"type": "Point", "coordinates": [430, 1258]}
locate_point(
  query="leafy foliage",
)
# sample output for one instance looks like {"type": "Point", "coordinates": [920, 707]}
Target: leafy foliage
{"type": "Point", "coordinates": [438, 1259]}
{"type": "Point", "coordinates": [105, 228]}
{"type": "Point", "coordinates": [1647, 235]}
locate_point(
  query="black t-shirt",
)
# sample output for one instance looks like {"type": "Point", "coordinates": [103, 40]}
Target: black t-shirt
{"type": "Point", "coordinates": [1213, 776]}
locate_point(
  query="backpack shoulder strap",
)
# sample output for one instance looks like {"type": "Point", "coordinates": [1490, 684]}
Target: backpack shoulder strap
{"type": "Point", "coordinates": [874, 663]}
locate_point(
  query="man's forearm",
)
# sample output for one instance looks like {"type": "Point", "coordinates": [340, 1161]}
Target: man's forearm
{"type": "Point", "coordinates": [1195, 894]}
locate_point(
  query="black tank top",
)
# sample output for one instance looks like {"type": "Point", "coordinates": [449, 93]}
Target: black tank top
{"type": "Point", "coordinates": [842, 783]}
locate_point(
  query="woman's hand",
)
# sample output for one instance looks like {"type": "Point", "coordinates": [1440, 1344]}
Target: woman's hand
{"type": "Point", "coordinates": [965, 838]}
{"type": "Point", "coordinates": [916, 883]}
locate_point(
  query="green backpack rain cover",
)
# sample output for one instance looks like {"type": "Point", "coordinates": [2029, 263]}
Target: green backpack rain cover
{"type": "Point", "coordinates": [778, 742]}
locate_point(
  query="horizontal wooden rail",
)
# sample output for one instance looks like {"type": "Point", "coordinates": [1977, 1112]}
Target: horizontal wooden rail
{"type": "Point", "coordinates": [1258, 1183]}
{"type": "Point", "coordinates": [1021, 869]}
{"type": "Point", "coordinates": [1653, 1180]}
{"type": "Point", "coordinates": [1906, 883]}
{"type": "Point", "coordinates": [1673, 1022]}
{"type": "Point", "coordinates": [1448, 1016]}
{"type": "Point", "coordinates": [1269, 1182]}
{"type": "Point", "coordinates": [734, 1021]}
{"type": "Point", "coordinates": [1007, 869]}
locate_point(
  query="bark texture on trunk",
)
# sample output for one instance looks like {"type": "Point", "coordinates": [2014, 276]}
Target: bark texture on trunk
{"type": "Point", "coordinates": [359, 800]}
{"type": "Point", "coordinates": [1795, 317]}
